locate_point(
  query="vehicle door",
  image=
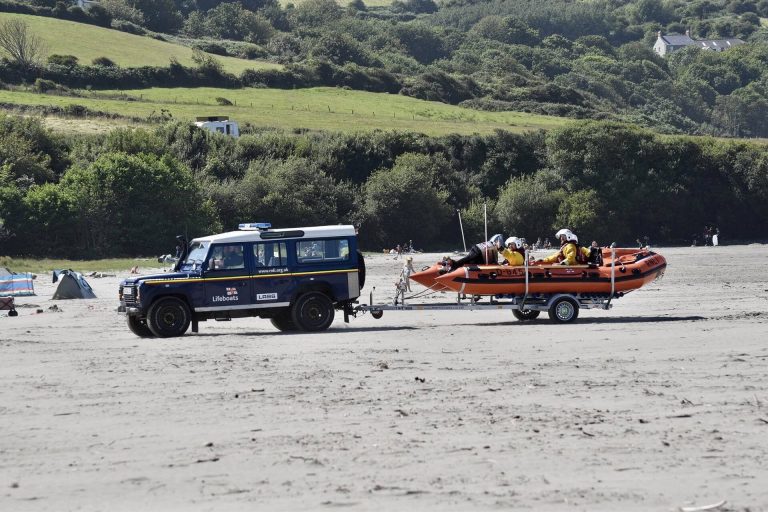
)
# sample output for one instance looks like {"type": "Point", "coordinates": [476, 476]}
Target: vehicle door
{"type": "Point", "coordinates": [329, 262]}
{"type": "Point", "coordinates": [272, 282]}
{"type": "Point", "coordinates": [227, 278]}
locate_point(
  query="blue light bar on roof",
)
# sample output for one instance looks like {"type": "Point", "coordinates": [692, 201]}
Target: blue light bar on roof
{"type": "Point", "coordinates": [254, 226]}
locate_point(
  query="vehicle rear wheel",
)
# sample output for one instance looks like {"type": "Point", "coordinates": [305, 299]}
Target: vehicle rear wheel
{"type": "Point", "coordinates": [138, 326]}
{"type": "Point", "coordinates": [564, 310]}
{"type": "Point", "coordinates": [313, 311]}
{"type": "Point", "coordinates": [169, 317]}
{"type": "Point", "coordinates": [284, 322]}
{"type": "Point", "coordinates": [525, 314]}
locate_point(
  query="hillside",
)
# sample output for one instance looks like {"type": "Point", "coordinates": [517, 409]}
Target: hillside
{"type": "Point", "coordinates": [87, 42]}
{"type": "Point", "coordinates": [315, 108]}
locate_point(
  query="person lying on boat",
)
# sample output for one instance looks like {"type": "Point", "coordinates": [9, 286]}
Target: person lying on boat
{"type": "Point", "coordinates": [484, 253]}
{"type": "Point", "coordinates": [514, 251]}
{"type": "Point", "coordinates": [570, 253]}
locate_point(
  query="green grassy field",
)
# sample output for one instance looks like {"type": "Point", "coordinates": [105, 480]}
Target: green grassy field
{"type": "Point", "coordinates": [86, 42]}
{"type": "Point", "coordinates": [321, 108]}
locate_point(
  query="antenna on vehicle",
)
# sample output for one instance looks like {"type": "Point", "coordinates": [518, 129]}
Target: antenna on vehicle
{"type": "Point", "coordinates": [485, 217]}
{"type": "Point", "coordinates": [461, 226]}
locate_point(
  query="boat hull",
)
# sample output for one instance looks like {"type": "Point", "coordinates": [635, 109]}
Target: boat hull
{"type": "Point", "coordinates": [428, 277]}
{"type": "Point", "coordinates": [632, 272]}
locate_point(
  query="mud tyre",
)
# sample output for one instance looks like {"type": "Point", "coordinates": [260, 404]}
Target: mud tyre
{"type": "Point", "coordinates": [526, 315]}
{"type": "Point", "coordinates": [564, 310]}
{"type": "Point", "coordinates": [139, 327]}
{"type": "Point", "coordinates": [313, 312]}
{"type": "Point", "coordinates": [169, 317]}
{"type": "Point", "coordinates": [284, 322]}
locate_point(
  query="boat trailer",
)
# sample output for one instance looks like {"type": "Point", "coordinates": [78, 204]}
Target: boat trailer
{"type": "Point", "coordinates": [561, 307]}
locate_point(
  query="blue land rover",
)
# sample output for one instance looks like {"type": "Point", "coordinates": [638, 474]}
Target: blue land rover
{"type": "Point", "coordinates": [295, 277]}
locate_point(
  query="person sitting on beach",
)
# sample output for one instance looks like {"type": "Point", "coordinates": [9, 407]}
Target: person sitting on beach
{"type": "Point", "coordinates": [513, 252]}
{"type": "Point", "coordinates": [570, 252]}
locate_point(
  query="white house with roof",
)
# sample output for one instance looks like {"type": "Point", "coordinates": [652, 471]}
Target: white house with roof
{"type": "Point", "coordinates": [666, 44]}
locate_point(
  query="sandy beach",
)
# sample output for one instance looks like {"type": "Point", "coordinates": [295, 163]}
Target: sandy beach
{"type": "Point", "coordinates": [659, 403]}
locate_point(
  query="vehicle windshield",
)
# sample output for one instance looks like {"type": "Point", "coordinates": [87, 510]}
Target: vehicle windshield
{"type": "Point", "coordinates": [196, 256]}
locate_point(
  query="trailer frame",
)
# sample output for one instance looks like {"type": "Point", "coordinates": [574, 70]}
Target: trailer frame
{"type": "Point", "coordinates": [561, 307]}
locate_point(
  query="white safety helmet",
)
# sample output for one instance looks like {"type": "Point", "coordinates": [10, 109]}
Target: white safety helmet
{"type": "Point", "coordinates": [513, 240]}
{"type": "Point", "coordinates": [569, 236]}
{"type": "Point", "coordinates": [496, 239]}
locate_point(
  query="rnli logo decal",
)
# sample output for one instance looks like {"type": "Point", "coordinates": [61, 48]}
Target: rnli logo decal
{"type": "Point", "coordinates": [229, 296]}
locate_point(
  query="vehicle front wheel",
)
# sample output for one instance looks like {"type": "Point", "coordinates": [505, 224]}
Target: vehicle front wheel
{"type": "Point", "coordinates": [169, 317]}
{"type": "Point", "coordinates": [138, 326]}
{"type": "Point", "coordinates": [525, 315]}
{"type": "Point", "coordinates": [564, 310]}
{"type": "Point", "coordinates": [284, 322]}
{"type": "Point", "coordinates": [313, 311]}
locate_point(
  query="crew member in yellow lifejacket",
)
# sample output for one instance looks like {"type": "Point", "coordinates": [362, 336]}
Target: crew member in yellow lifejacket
{"type": "Point", "coordinates": [513, 251]}
{"type": "Point", "coordinates": [570, 253]}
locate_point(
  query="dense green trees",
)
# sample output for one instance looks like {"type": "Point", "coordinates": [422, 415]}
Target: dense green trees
{"type": "Point", "coordinates": [130, 192]}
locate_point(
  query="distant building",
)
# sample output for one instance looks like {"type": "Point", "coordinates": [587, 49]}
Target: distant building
{"type": "Point", "coordinates": [671, 43]}
{"type": "Point", "coordinates": [85, 4]}
{"type": "Point", "coordinates": [218, 124]}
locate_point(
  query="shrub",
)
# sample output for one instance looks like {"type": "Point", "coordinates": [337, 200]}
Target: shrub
{"type": "Point", "coordinates": [62, 60]}
{"type": "Point", "coordinates": [127, 26]}
{"type": "Point", "coordinates": [210, 47]}
{"type": "Point", "coordinates": [223, 101]}
{"type": "Point", "coordinates": [104, 62]}
{"type": "Point", "coordinates": [42, 86]}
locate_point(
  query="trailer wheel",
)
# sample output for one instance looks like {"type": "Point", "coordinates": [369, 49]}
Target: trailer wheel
{"type": "Point", "coordinates": [138, 326]}
{"type": "Point", "coordinates": [169, 317]}
{"type": "Point", "coordinates": [13, 312]}
{"type": "Point", "coordinates": [313, 311]}
{"type": "Point", "coordinates": [525, 315]}
{"type": "Point", "coordinates": [564, 310]}
{"type": "Point", "coordinates": [283, 321]}
{"type": "Point", "coordinates": [377, 313]}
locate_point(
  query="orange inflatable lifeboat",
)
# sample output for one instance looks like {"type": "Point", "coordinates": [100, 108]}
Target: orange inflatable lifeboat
{"type": "Point", "coordinates": [634, 268]}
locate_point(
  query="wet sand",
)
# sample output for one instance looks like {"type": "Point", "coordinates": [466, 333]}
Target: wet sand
{"type": "Point", "coordinates": [659, 403]}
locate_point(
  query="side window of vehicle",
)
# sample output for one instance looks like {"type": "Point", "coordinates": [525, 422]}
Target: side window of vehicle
{"type": "Point", "coordinates": [226, 257]}
{"type": "Point", "coordinates": [270, 254]}
{"type": "Point", "coordinates": [315, 251]}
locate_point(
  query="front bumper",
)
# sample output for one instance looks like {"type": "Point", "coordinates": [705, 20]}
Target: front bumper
{"type": "Point", "coordinates": [128, 310]}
